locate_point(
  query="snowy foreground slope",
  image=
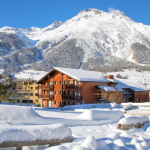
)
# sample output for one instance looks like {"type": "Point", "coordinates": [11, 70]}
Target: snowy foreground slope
{"type": "Point", "coordinates": [93, 38]}
{"type": "Point", "coordinates": [89, 133]}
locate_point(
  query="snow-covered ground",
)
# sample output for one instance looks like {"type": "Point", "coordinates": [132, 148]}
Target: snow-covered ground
{"type": "Point", "coordinates": [90, 131]}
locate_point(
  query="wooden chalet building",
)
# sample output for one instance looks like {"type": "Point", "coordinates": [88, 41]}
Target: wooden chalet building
{"type": "Point", "coordinates": [133, 91]}
{"type": "Point", "coordinates": [65, 86]}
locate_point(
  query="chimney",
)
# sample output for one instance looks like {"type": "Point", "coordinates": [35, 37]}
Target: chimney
{"type": "Point", "coordinates": [109, 76]}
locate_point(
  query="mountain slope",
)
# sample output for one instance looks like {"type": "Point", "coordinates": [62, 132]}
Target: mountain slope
{"type": "Point", "coordinates": [92, 39]}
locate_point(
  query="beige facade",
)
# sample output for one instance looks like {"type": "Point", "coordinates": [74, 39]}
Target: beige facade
{"type": "Point", "coordinates": [23, 89]}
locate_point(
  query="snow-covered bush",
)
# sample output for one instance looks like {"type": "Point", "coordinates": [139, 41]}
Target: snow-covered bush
{"type": "Point", "coordinates": [132, 122]}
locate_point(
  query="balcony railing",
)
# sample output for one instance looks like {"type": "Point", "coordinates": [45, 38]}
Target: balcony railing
{"type": "Point", "coordinates": [69, 97]}
{"type": "Point", "coordinates": [73, 86]}
{"type": "Point", "coordinates": [46, 87]}
{"type": "Point", "coordinates": [127, 95]}
{"type": "Point", "coordinates": [20, 95]}
{"type": "Point", "coordinates": [23, 91]}
{"type": "Point", "coordinates": [46, 96]}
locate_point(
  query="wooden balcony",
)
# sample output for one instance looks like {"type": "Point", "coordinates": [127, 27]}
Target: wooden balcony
{"type": "Point", "coordinates": [24, 91]}
{"type": "Point", "coordinates": [69, 97]}
{"type": "Point", "coordinates": [73, 86]}
{"type": "Point", "coordinates": [46, 87]}
{"type": "Point", "coordinates": [45, 96]}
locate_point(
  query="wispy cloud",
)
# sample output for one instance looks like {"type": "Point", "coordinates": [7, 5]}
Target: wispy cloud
{"type": "Point", "coordinates": [111, 9]}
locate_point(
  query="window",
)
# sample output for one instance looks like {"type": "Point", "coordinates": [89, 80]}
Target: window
{"type": "Point", "coordinates": [44, 92]}
{"type": "Point", "coordinates": [55, 82]}
{"type": "Point", "coordinates": [26, 101]}
{"type": "Point", "coordinates": [138, 99]}
{"type": "Point", "coordinates": [55, 92]}
{"type": "Point", "coordinates": [74, 81]}
{"type": "Point", "coordinates": [74, 103]}
{"type": "Point", "coordinates": [19, 87]}
{"type": "Point", "coordinates": [79, 84]}
{"type": "Point", "coordinates": [78, 93]}
{"type": "Point", "coordinates": [31, 94]}
{"type": "Point", "coordinates": [60, 82]}
{"type": "Point", "coordinates": [31, 88]}
{"type": "Point", "coordinates": [60, 102]}
{"type": "Point", "coordinates": [18, 101]}
{"type": "Point", "coordinates": [74, 93]}
{"type": "Point", "coordinates": [60, 92]}
{"type": "Point", "coordinates": [55, 102]}
{"type": "Point", "coordinates": [69, 82]}
{"type": "Point", "coordinates": [65, 82]}
{"type": "Point", "coordinates": [30, 101]}
{"type": "Point", "coordinates": [144, 98]}
{"type": "Point", "coordinates": [50, 92]}
{"type": "Point", "coordinates": [36, 94]}
{"type": "Point", "coordinates": [25, 83]}
{"type": "Point", "coordinates": [36, 101]}
{"type": "Point", "coordinates": [64, 92]}
{"type": "Point", "coordinates": [50, 83]}
{"type": "Point", "coordinates": [126, 99]}
{"type": "Point", "coordinates": [25, 88]}
{"type": "Point", "coordinates": [69, 92]}
{"type": "Point", "coordinates": [45, 83]}
{"type": "Point", "coordinates": [69, 103]}
{"type": "Point", "coordinates": [64, 103]}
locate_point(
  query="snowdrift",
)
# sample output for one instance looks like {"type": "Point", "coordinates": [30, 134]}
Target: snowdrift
{"type": "Point", "coordinates": [110, 115]}
{"type": "Point", "coordinates": [34, 133]}
{"type": "Point", "coordinates": [20, 115]}
{"type": "Point", "coordinates": [91, 106]}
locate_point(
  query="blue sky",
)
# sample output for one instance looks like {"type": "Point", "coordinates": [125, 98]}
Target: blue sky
{"type": "Point", "coordinates": [41, 13]}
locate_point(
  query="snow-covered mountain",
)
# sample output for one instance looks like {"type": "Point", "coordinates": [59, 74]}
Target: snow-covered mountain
{"type": "Point", "coordinates": [92, 39]}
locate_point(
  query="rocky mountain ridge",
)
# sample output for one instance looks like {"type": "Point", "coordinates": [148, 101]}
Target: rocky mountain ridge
{"type": "Point", "coordinates": [93, 39]}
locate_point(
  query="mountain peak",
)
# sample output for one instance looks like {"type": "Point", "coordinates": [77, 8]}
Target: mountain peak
{"type": "Point", "coordinates": [96, 11]}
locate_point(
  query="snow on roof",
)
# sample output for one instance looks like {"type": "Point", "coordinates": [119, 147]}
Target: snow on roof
{"type": "Point", "coordinates": [106, 88]}
{"type": "Point", "coordinates": [132, 84]}
{"type": "Point", "coordinates": [83, 75]}
{"type": "Point", "coordinates": [32, 74]}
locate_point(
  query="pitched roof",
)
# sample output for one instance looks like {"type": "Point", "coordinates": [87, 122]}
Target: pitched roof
{"type": "Point", "coordinates": [132, 84]}
{"type": "Point", "coordinates": [106, 88]}
{"type": "Point", "coordinates": [80, 75]}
